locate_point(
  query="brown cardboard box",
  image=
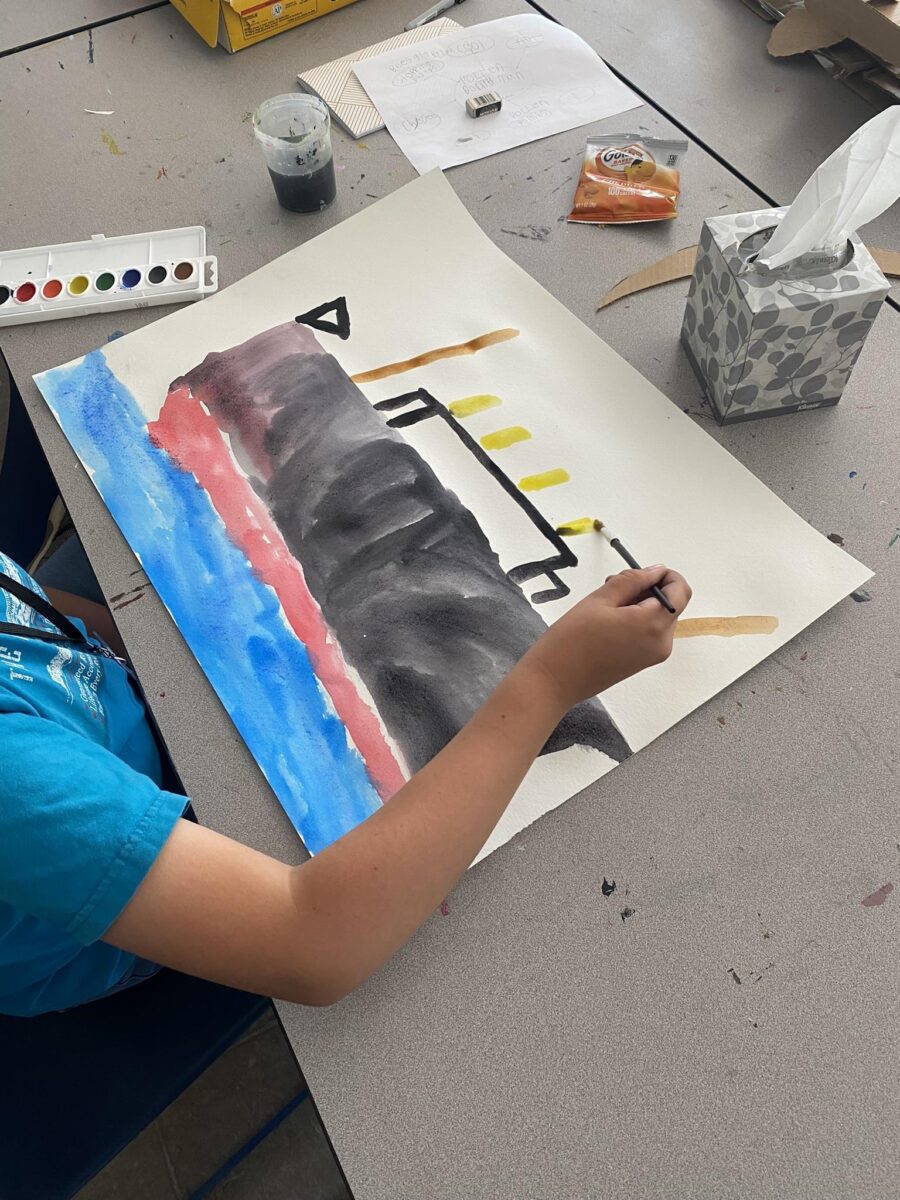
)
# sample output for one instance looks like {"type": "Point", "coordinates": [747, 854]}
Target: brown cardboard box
{"type": "Point", "coordinates": [235, 24]}
{"type": "Point", "coordinates": [872, 24]}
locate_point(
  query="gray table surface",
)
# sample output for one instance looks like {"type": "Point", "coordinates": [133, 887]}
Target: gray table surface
{"type": "Point", "coordinates": [531, 1043]}
{"type": "Point", "coordinates": [705, 63]}
{"type": "Point", "coordinates": [23, 22]}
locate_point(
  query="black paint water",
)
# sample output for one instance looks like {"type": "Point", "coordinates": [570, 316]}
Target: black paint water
{"type": "Point", "coordinates": [305, 193]}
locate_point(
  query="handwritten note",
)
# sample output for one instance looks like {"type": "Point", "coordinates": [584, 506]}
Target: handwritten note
{"type": "Point", "coordinates": [342, 91]}
{"type": "Point", "coordinates": [548, 78]}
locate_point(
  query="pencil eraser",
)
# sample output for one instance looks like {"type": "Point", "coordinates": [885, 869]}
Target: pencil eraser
{"type": "Point", "coordinates": [480, 106]}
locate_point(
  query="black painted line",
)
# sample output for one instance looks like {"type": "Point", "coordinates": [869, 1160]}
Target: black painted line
{"type": "Point", "coordinates": [565, 556]}
{"type": "Point", "coordinates": [55, 37]}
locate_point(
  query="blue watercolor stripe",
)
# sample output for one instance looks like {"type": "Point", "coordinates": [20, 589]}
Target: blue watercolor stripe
{"type": "Point", "coordinates": [232, 622]}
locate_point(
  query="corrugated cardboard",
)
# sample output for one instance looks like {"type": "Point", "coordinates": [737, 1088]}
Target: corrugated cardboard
{"type": "Point", "coordinates": [236, 24]}
{"type": "Point", "coordinates": [883, 79]}
{"type": "Point", "coordinates": [799, 31]}
{"type": "Point", "coordinates": [809, 27]}
{"type": "Point", "coordinates": [872, 24]}
{"type": "Point", "coordinates": [680, 265]}
{"type": "Point", "coordinates": [674, 266]}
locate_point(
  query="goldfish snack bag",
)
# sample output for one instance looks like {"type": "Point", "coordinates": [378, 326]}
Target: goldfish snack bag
{"type": "Point", "coordinates": [628, 177]}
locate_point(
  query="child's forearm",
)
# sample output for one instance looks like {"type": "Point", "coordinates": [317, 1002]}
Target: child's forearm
{"type": "Point", "coordinates": [370, 890]}
{"type": "Point", "coordinates": [215, 908]}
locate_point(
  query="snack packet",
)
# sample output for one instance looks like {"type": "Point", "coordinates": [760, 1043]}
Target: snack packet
{"type": "Point", "coordinates": [628, 177]}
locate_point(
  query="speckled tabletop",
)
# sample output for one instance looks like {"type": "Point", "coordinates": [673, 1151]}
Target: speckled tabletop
{"type": "Point", "coordinates": [736, 1036]}
{"type": "Point", "coordinates": [24, 22]}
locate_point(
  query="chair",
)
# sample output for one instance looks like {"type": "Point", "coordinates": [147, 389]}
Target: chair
{"type": "Point", "coordinates": [77, 1086]}
{"type": "Point", "coordinates": [27, 487]}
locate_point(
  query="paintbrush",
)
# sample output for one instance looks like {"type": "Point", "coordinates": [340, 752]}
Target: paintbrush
{"type": "Point", "coordinates": [632, 562]}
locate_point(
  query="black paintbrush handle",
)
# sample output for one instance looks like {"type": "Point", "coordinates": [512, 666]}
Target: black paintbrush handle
{"type": "Point", "coordinates": [635, 565]}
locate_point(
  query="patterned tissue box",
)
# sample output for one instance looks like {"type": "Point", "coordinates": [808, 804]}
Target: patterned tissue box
{"type": "Point", "coordinates": [769, 342]}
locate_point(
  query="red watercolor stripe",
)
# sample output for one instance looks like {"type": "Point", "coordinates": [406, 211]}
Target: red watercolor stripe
{"type": "Point", "coordinates": [190, 436]}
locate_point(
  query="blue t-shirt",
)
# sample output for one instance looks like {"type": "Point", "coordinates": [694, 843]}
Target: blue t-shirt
{"type": "Point", "coordinates": [82, 813]}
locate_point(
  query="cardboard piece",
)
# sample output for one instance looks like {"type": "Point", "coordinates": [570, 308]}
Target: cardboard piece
{"type": "Point", "coordinates": [680, 265]}
{"type": "Point", "coordinates": [856, 41]}
{"type": "Point", "coordinates": [335, 83]}
{"type": "Point", "coordinates": [872, 24]}
{"type": "Point", "coordinates": [884, 81]}
{"type": "Point", "coordinates": [800, 31]}
{"type": "Point", "coordinates": [888, 260]}
{"type": "Point", "coordinates": [236, 24]}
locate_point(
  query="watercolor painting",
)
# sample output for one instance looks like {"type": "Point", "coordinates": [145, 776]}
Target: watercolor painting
{"type": "Point", "coordinates": [361, 505]}
{"type": "Point", "coordinates": [339, 491]}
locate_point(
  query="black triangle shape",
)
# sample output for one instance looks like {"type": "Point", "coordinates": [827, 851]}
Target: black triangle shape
{"type": "Point", "coordinates": [340, 325]}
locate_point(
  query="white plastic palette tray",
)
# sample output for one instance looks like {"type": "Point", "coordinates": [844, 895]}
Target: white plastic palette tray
{"type": "Point", "coordinates": [44, 283]}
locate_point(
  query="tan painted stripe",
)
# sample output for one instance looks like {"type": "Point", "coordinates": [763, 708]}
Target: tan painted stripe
{"type": "Point", "coordinates": [422, 360]}
{"type": "Point", "coordinates": [724, 626]}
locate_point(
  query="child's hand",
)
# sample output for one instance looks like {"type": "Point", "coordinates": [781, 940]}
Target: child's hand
{"type": "Point", "coordinates": [612, 633]}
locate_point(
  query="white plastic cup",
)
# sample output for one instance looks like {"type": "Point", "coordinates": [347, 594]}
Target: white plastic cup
{"type": "Point", "coordinates": [294, 132]}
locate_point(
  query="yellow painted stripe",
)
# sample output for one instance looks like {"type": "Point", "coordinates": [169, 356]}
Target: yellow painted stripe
{"type": "Point", "coordinates": [572, 528]}
{"type": "Point", "coordinates": [501, 438]}
{"type": "Point", "coordinates": [534, 483]}
{"type": "Point", "coordinates": [473, 404]}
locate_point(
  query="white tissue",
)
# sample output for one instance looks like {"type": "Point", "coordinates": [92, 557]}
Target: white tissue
{"type": "Point", "coordinates": [851, 187]}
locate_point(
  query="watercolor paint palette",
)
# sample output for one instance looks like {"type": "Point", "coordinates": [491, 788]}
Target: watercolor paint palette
{"type": "Point", "coordinates": [44, 283]}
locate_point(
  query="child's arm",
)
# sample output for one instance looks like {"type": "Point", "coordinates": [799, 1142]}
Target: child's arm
{"type": "Point", "coordinates": [214, 908]}
{"type": "Point", "coordinates": [97, 617]}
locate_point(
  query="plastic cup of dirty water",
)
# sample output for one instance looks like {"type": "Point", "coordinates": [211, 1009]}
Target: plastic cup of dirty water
{"type": "Point", "coordinates": [294, 132]}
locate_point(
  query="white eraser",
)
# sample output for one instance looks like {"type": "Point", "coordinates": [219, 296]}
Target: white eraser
{"type": "Point", "coordinates": [480, 106]}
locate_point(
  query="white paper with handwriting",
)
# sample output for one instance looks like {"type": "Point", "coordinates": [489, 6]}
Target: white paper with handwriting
{"type": "Point", "coordinates": [549, 80]}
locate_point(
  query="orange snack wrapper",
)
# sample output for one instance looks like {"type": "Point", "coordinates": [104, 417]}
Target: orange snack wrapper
{"type": "Point", "coordinates": [628, 178]}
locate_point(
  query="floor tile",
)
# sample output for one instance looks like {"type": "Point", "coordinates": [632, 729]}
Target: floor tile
{"type": "Point", "coordinates": [140, 1172]}
{"type": "Point", "coordinates": [293, 1163]}
{"type": "Point", "coordinates": [228, 1104]}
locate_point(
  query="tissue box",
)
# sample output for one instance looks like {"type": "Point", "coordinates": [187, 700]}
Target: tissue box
{"type": "Point", "coordinates": [763, 343]}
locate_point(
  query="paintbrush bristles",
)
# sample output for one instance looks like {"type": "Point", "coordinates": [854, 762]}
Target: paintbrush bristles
{"type": "Point", "coordinates": [600, 527]}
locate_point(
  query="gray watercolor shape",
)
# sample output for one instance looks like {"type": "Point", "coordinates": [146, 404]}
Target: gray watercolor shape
{"type": "Point", "coordinates": [403, 573]}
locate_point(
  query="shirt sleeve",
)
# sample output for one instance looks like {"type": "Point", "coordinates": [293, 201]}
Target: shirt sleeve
{"type": "Point", "coordinates": [79, 828]}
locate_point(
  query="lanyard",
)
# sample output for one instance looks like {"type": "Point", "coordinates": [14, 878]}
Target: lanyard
{"type": "Point", "coordinates": [68, 632]}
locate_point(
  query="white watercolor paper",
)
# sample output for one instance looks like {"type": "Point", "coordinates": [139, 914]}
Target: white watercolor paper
{"type": "Point", "coordinates": [549, 80]}
{"type": "Point", "coordinates": [626, 453]}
